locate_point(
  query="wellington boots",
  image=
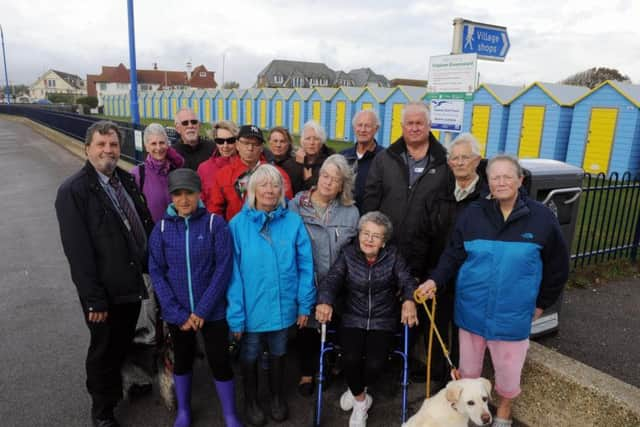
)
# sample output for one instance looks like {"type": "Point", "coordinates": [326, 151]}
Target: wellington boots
{"type": "Point", "coordinates": [278, 406]}
{"type": "Point", "coordinates": [183, 398]}
{"type": "Point", "coordinates": [227, 395]}
{"type": "Point", "coordinates": [253, 412]}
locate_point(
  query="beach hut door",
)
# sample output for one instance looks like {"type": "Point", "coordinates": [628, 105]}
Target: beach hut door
{"type": "Point", "coordinates": [531, 132]}
{"type": "Point", "coordinates": [602, 128]}
{"type": "Point", "coordinates": [480, 125]}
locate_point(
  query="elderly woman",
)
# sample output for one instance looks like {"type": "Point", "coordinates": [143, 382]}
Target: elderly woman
{"type": "Point", "coordinates": [190, 262]}
{"type": "Point", "coordinates": [373, 273]}
{"type": "Point", "coordinates": [313, 152]}
{"type": "Point", "coordinates": [331, 218]}
{"type": "Point", "coordinates": [271, 287]}
{"type": "Point", "coordinates": [151, 176]}
{"type": "Point", "coordinates": [281, 154]}
{"type": "Point", "coordinates": [225, 135]}
{"type": "Point", "coordinates": [511, 262]}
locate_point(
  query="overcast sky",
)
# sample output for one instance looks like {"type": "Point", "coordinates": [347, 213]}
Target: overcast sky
{"type": "Point", "coordinates": [550, 39]}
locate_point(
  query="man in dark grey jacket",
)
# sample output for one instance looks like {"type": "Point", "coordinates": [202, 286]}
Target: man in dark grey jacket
{"type": "Point", "coordinates": [104, 224]}
{"type": "Point", "coordinates": [401, 183]}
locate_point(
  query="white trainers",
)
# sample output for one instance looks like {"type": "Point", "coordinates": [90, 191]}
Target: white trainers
{"type": "Point", "coordinates": [359, 414]}
{"type": "Point", "coordinates": [347, 399]}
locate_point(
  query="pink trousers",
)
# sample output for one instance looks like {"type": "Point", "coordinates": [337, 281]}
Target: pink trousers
{"type": "Point", "coordinates": [507, 358]}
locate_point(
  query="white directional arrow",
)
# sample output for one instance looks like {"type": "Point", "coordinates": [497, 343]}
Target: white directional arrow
{"type": "Point", "coordinates": [505, 44]}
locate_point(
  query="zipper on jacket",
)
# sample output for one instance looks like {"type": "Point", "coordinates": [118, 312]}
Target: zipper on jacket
{"type": "Point", "coordinates": [369, 316]}
{"type": "Point", "coordinates": [186, 240]}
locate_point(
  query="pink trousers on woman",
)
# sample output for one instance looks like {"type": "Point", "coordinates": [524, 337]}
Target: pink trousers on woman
{"type": "Point", "coordinates": [507, 358]}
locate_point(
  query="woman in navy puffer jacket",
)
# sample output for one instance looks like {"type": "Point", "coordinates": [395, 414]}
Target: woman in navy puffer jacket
{"type": "Point", "coordinates": [190, 262]}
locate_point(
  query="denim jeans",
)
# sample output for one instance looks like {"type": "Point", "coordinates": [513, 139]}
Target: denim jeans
{"type": "Point", "coordinates": [252, 344]}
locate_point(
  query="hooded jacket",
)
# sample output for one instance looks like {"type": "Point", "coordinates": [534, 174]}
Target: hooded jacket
{"type": "Point", "coordinates": [371, 290]}
{"type": "Point", "coordinates": [190, 263]}
{"type": "Point", "coordinates": [194, 155]}
{"type": "Point", "coordinates": [272, 281]}
{"type": "Point", "coordinates": [504, 268]}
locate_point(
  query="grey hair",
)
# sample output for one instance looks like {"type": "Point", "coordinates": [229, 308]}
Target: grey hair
{"type": "Point", "coordinates": [103, 127]}
{"type": "Point", "coordinates": [376, 119]}
{"type": "Point", "coordinates": [175, 118]}
{"type": "Point", "coordinates": [226, 125]}
{"type": "Point", "coordinates": [506, 158]}
{"type": "Point", "coordinates": [154, 129]}
{"type": "Point", "coordinates": [264, 172]}
{"type": "Point", "coordinates": [319, 130]}
{"type": "Point", "coordinates": [465, 138]}
{"type": "Point", "coordinates": [346, 173]}
{"type": "Point", "coordinates": [378, 218]}
{"type": "Point", "coordinates": [417, 105]}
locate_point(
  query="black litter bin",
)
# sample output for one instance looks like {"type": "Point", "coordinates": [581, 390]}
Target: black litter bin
{"type": "Point", "coordinates": [557, 185]}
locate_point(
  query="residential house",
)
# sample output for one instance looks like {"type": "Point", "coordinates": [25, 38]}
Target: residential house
{"type": "Point", "coordinates": [116, 80]}
{"type": "Point", "coordinates": [290, 74]}
{"type": "Point", "coordinates": [366, 77]}
{"type": "Point", "coordinates": [54, 81]}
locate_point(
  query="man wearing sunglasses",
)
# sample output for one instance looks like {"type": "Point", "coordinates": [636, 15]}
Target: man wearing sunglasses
{"type": "Point", "coordinates": [191, 146]}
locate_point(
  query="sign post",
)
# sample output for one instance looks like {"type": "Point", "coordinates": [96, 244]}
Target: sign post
{"type": "Point", "coordinates": [490, 42]}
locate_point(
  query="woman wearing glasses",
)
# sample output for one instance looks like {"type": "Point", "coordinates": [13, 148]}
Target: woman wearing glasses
{"type": "Point", "coordinates": [225, 135]}
{"type": "Point", "coordinates": [372, 273]}
{"type": "Point", "coordinates": [331, 219]}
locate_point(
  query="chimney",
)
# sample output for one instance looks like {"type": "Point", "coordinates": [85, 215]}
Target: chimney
{"type": "Point", "coordinates": [189, 70]}
{"type": "Point", "coordinates": [155, 65]}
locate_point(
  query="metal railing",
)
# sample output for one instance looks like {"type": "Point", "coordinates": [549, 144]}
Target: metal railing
{"type": "Point", "coordinates": [608, 223]}
{"type": "Point", "coordinates": [74, 125]}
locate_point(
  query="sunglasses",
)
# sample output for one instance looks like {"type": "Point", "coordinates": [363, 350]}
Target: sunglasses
{"type": "Point", "coordinates": [222, 141]}
{"type": "Point", "coordinates": [186, 122]}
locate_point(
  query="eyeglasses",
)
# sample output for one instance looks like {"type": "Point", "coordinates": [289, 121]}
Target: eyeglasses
{"type": "Point", "coordinates": [249, 143]}
{"type": "Point", "coordinates": [371, 236]}
{"type": "Point", "coordinates": [222, 141]}
{"type": "Point", "coordinates": [193, 122]}
{"type": "Point", "coordinates": [333, 179]}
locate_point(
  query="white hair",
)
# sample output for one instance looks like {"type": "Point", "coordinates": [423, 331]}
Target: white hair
{"type": "Point", "coordinates": [346, 173]}
{"type": "Point", "coordinates": [265, 172]}
{"type": "Point", "coordinates": [465, 138]}
{"type": "Point", "coordinates": [154, 129]}
{"type": "Point", "coordinates": [417, 105]}
{"type": "Point", "coordinates": [506, 158]}
{"type": "Point", "coordinates": [377, 218]}
{"type": "Point", "coordinates": [376, 119]}
{"type": "Point", "coordinates": [319, 130]}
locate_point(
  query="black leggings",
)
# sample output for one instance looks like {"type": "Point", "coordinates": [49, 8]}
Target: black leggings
{"type": "Point", "coordinates": [216, 344]}
{"type": "Point", "coordinates": [373, 346]}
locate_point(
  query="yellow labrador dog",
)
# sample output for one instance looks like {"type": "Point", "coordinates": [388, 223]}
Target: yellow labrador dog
{"type": "Point", "coordinates": [456, 404]}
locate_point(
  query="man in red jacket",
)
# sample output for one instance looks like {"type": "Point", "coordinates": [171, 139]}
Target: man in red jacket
{"type": "Point", "coordinates": [226, 196]}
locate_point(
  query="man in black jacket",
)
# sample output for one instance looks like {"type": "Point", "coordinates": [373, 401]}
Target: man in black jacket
{"type": "Point", "coordinates": [402, 180]}
{"type": "Point", "coordinates": [104, 224]}
{"type": "Point", "coordinates": [191, 146]}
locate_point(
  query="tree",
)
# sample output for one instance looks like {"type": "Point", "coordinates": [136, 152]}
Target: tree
{"type": "Point", "coordinates": [231, 85]}
{"type": "Point", "coordinates": [89, 101]}
{"type": "Point", "coordinates": [61, 98]}
{"type": "Point", "coordinates": [594, 76]}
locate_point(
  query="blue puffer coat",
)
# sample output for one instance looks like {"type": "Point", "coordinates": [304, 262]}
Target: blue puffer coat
{"type": "Point", "coordinates": [272, 281]}
{"type": "Point", "coordinates": [190, 263]}
{"type": "Point", "coordinates": [505, 269]}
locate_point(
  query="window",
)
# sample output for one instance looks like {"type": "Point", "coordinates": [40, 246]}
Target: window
{"type": "Point", "coordinates": [278, 79]}
{"type": "Point", "coordinates": [203, 74]}
{"type": "Point", "coordinates": [51, 83]}
{"type": "Point", "coordinates": [103, 86]}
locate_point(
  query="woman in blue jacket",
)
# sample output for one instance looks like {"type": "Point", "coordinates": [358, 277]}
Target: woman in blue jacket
{"type": "Point", "coordinates": [271, 287]}
{"type": "Point", "coordinates": [190, 263]}
{"type": "Point", "coordinates": [511, 263]}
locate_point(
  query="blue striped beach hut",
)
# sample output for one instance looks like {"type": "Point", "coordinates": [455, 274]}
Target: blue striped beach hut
{"type": "Point", "coordinates": [248, 101]}
{"type": "Point", "coordinates": [605, 132]}
{"type": "Point", "coordinates": [318, 105]}
{"type": "Point", "coordinates": [394, 105]}
{"type": "Point", "coordinates": [279, 107]}
{"type": "Point", "coordinates": [263, 107]}
{"type": "Point", "coordinates": [341, 112]}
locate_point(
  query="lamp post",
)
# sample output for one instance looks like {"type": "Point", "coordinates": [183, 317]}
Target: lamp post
{"type": "Point", "coordinates": [6, 75]}
{"type": "Point", "coordinates": [135, 112]}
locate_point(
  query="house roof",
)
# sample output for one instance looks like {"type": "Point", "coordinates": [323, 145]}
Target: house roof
{"type": "Point", "coordinates": [164, 78]}
{"type": "Point", "coordinates": [299, 68]}
{"type": "Point", "coordinates": [362, 76]}
{"type": "Point", "coordinates": [71, 79]}
{"type": "Point", "coordinates": [502, 93]}
{"type": "Point", "coordinates": [408, 82]}
{"type": "Point", "coordinates": [563, 95]}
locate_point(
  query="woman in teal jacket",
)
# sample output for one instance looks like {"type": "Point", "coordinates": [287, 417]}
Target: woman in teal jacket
{"type": "Point", "coordinates": [271, 286]}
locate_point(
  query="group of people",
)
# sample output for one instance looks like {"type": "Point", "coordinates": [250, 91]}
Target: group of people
{"type": "Point", "coordinates": [241, 242]}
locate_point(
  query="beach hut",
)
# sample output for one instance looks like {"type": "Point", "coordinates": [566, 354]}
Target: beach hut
{"type": "Point", "coordinates": [107, 103]}
{"type": "Point", "coordinates": [219, 103]}
{"type": "Point", "coordinates": [193, 102]}
{"type": "Point", "coordinates": [318, 105]}
{"type": "Point", "coordinates": [126, 105]}
{"type": "Point", "coordinates": [341, 112]}
{"type": "Point", "coordinates": [263, 107]}
{"type": "Point", "coordinates": [605, 132]}
{"type": "Point", "coordinates": [155, 104]}
{"type": "Point", "coordinates": [297, 109]}
{"type": "Point", "coordinates": [174, 96]}
{"type": "Point", "coordinates": [486, 116]}
{"type": "Point", "coordinates": [232, 102]}
{"type": "Point", "coordinates": [374, 98]}
{"type": "Point", "coordinates": [164, 105]}
{"type": "Point", "coordinates": [248, 101]}
{"type": "Point", "coordinates": [394, 105]}
{"type": "Point", "coordinates": [540, 120]}
{"type": "Point", "coordinates": [279, 106]}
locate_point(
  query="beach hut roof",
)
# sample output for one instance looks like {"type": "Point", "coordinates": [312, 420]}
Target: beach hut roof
{"type": "Point", "coordinates": [326, 92]}
{"type": "Point", "coordinates": [502, 93]}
